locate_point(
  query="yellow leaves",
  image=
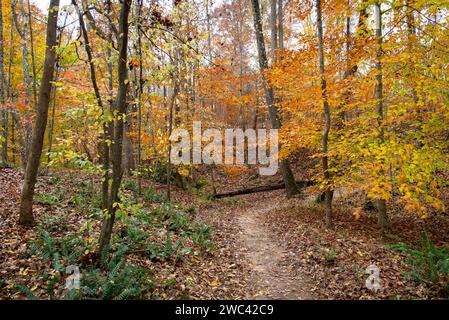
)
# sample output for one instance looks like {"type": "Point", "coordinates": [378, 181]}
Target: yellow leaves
{"type": "Point", "coordinates": [184, 172]}
{"type": "Point", "coordinates": [24, 272]}
{"type": "Point", "coordinates": [433, 184]}
{"type": "Point", "coordinates": [215, 282]}
{"type": "Point", "coordinates": [380, 192]}
{"type": "Point", "coordinates": [357, 212]}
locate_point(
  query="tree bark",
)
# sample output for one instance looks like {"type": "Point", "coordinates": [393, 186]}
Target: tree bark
{"type": "Point", "coordinates": [274, 29]}
{"type": "Point", "coordinates": [291, 187]}
{"type": "Point", "coordinates": [33, 57]}
{"type": "Point", "coordinates": [281, 24]}
{"type": "Point", "coordinates": [120, 112]}
{"type": "Point", "coordinates": [26, 73]}
{"type": "Point", "coordinates": [106, 129]}
{"type": "Point", "coordinates": [170, 131]}
{"type": "Point", "coordinates": [327, 118]}
{"type": "Point", "coordinates": [128, 162]}
{"type": "Point", "coordinates": [52, 122]}
{"type": "Point", "coordinates": [139, 100]}
{"type": "Point", "coordinates": [270, 187]}
{"type": "Point", "coordinates": [26, 204]}
{"type": "Point", "coordinates": [4, 109]}
{"type": "Point", "coordinates": [382, 219]}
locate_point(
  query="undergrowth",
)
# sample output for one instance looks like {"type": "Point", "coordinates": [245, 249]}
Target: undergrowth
{"type": "Point", "coordinates": [166, 232]}
{"type": "Point", "coordinates": [428, 264]}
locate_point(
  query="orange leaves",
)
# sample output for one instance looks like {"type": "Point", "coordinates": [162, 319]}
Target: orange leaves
{"type": "Point", "coordinates": [22, 106]}
{"type": "Point", "coordinates": [134, 63]}
{"type": "Point", "coordinates": [235, 171]}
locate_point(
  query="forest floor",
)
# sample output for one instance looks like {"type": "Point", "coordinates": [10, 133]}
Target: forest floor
{"type": "Point", "coordinates": [265, 246]}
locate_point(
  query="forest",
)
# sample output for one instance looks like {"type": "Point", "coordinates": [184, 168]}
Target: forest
{"type": "Point", "coordinates": [224, 149]}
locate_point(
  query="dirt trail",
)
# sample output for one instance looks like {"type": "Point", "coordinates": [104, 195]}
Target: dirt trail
{"type": "Point", "coordinates": [271, 279]}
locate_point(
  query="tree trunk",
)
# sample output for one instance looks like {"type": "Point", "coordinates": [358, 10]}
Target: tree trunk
{"type": "Point", "coordinates": [281, 24]}
{"type": "Point", "coordinates": [139, 101]}
{"type": "Point", "coordinates": [26, 210]}
{"type": "Point", "coordinates": [33, 57]}
{"type": "Point", "coordinates": [120, 112]}
{"type": "Point", "coordinates": [327, 118]}
{"type": "Point", "coordinates": [270, 187]}
{"type": "Point", "coordinates": [128, 162]}
{"type": "Point", "coordinates": [106, 129]}
{"type": "Point", "coordinates": [291, 187]}
{"type": "Point", "coordinates": [209, 32]}
{"type": "Point", "coordinates": [26, 74]}
{"type": "Point", "coordinates": [274, 29]}
{"type": "Point", "coordinates": [382, 219]}
{"type": "Point", "coordinates": [52, 122]}
{"type": "Point", "coordinates": [4, 109]}
{"type": "Point", "coordinates": [170, 131]}
{"type": "Point", "coordinates": [108, 125]}
{"type": "Point", "coordinates": [242, 107]}
{"type": "Point", "coordinates": [9, 94]}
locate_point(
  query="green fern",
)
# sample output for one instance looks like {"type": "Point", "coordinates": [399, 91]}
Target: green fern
{"type": "Point", "coordinates": [25, 290]}
{"type": "Point", "coordinates": [429, 264]}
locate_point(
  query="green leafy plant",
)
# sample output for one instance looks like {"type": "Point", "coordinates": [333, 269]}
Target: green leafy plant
{"type": "Point", "coordinates": [122, 281]}
{"type": "Point", "coordinates": [330, 256]}
{"type": "Point", "coordinates": [168, 250]}
{"type": "Point", "coordinates": [48, 199]}
{"type": "Point", "coordinates": [54, 180]}
{"type": "Point", "coordinates": [152, 196]}
{"type": "Point", "coordinates": [201, 234]}
{"type": "Point", "coordinates": [53, 223]}
{"type": "Point", "coordinates": [130, 185]}
{"type": "Point", "coordinates": [429, 264]}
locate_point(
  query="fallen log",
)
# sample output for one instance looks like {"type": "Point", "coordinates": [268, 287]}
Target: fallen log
{"type": "Point", "coordinates": [270, 187]}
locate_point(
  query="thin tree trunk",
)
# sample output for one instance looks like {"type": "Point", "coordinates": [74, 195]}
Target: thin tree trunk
{"type": "Point", "coordinates": [170, 131]}
{"type": "Point", "coordinates": [33, 57]}
{"type": "Point", "coordinates": [242, 107]}
{"type": "Point", "coordinates": [256, 111]}
{"type": "Point", "coordinates": [327, 118]}
{"type": "Point", "coordinates": [52, 121]}
{"type": "Point", "coordinates": [108, 125]}
{"type": "Point", "coordinates": [120, 112]}
{"type": "Point", "coordinates": [274, 29]}
{"type": "Point", "coordinates": [128, 161]}
{"type": "Point", "coordinates": [26, 74]}
{"type": "Point", "coordinates": [106, 129]}
{"type": "Point", "coordinates": [411, 33]}
{"type": "Point", "coordinates": [209, 30]}
{"type": "Point", "coordinates": [26, 204]}
{"type": "Point", "coordinates": [281, 24]}
{"type": "Point", "coordinates": [4, 109]}
{"type": "Point", "coordinates": [13, 143]}
{"type": "Point", "coordinates": [291, 187]}
{"type": "Point", "coordinates": [382, 219]}
{"type": "Point", "coordinates": [10, 98]}
{"type": "Point", "coordinates": [139, 102]}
